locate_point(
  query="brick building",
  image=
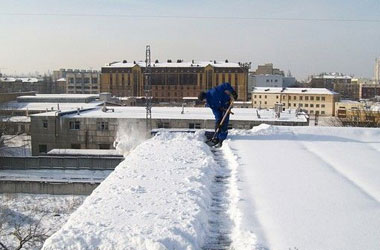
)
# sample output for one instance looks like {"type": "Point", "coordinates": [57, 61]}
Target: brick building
{"type": "Point", "coordinates": [171, 81]}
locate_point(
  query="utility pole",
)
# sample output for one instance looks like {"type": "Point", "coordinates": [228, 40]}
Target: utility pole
{"type": "Point", "coordinates": [148, 89]}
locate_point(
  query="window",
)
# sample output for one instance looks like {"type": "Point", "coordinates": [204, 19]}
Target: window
{"type": "Point", "coordinates": [301, 105]}
{"type": "Point", "coordinates": [260, 96]}
{"type": "Point", "coordinates": [322, 112]}
{"type": "Point", "coordinates": [265, 97]}
{"type": "Point", "coordinates": [45, 123]}
{"type": "Point", "coordinates": [194, 125]}
{"type": "Point", "coordinates": [74, 124]}
{"type": "Point", "coordinates": [311, 111]}
{"type": "Point", "coordinates": [104, 146]}
{"type": "Point", "coordinates": [265, 102]}
{"type": "Point", "coordinates": [317, 98]}
{"type": "Point", "coordinates": [267, 80]}
{"type": "Point", "coordinates": [254, 96]}
{"type": "Point", "coordinates": [75, 146]}
{"type": "Point", "coordinates": [275, 80]}
{"type": "Point", "coordinates": [42, 148]}
{"type": "Point", "coordinates": [255, 102]}
{"type": "Point", "coordinates": [311, 98]}
{"type": "Point", "coordinates": [311, 105]}
{"type": "Point", "coordinates": [306, 98]}
{"type": "Point", "coordinates": [323, 98]}
{"type": "Point", "coordinates": [276, 96]}
{"type": "Point", "coordinates": [163, 125]}
{"type": "Point", "coordinates": [322, 105]}
{"type": "Point", "coordinates": [295, 105]}
{"type": "Point", "coordinates": [317, 105]}
{"type": "Point", "coordinates": [301, 97]}
{"type": "Point", "coordinates": [306, 105]}
{"type": "Point", "coordinates": [102, 126]}
{"type": "Point", "coordinates": [294, 97]}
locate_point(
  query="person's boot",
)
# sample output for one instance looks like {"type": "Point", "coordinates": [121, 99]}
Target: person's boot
{"type": "Point", "coordinates": [219, 144]}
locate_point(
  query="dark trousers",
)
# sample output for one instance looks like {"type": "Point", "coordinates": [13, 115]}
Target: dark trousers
{"type": "Point", "coordinates": [223, 131]}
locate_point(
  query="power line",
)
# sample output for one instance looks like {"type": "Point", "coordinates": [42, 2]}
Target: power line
{"type": "Point", "coordinates": [293, 19]}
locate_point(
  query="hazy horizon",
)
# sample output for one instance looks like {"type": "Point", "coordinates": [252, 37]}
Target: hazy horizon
{"type": "Point", "coordinates": [303, 37]}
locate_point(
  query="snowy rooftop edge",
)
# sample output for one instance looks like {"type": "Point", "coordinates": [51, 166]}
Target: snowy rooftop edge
{"type": "Point", "coordinates": [293, 90]}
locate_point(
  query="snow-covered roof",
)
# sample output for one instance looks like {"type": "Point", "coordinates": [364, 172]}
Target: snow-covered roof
{"type": "Point", "coordinates": [88, 152]}
{"type": "Point", "coordinates": [333, 75]}
{"type": "Point", "coordinates": [61, 80]}
{"type": "Point", "coordinates": [191, 113]}
{"type": "Point", "coordinates": [20, 79]}
{"type": "Point", "coordinates": [273, 90]}
{"type": "Point", "coordinates": [202, 64]}
{"type": "Point", "coordinates": [59, 96]}
{"type": "Point", "coordinates": [43, 106]}
{"type": "Point", "coordinates": [17, 119]}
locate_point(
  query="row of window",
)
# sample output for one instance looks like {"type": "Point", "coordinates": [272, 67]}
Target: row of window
{"type": "Point", "coordinates": [42, 148]}
{"type": "Point", "coordinates": [311, 105]}
{"type": "Point", "coordinates": [301, 98]}
{"type": "Point", "coordinates": [75, 125]}
{"type": "Point", "coordinates": [82, 80]}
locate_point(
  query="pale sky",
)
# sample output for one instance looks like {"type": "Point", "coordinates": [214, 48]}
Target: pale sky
{"type": "Point", "coordinates": [31, 40]}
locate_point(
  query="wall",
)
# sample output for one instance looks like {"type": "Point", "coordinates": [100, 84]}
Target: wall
{"type": "Point", "coordinates": [36, 187]}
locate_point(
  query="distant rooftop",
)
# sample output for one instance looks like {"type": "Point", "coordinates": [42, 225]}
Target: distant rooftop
{"type": "Point", "coordinates": [175, 64]}
{"type": "Point", "coordinates": [58, 98]}
{"type": "Point", "coordinates": [294, 90]}
{"type": "Point", "coordinates": [20, 79]}
{"type": "Point", "coordinates": [333, 75]}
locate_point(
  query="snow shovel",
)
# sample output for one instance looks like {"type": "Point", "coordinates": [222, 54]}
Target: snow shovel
{"type": "Point", "coordinates": [228, 111]}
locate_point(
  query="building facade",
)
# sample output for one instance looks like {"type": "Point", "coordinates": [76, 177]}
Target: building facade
{"type": "Point", "coordinates": [78, 81]}
{"type": "Point", "coordinates": [171, 81]}
{"type": "Point", "coordinates": [97, 128]}
{"type": "Point", "coordinates": [316, 101]}
{"type": "Point", "coordinates": [369, 91]}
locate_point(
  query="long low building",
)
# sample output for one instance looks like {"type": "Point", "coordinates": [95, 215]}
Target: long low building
{"type": "Point", "coordinates": [97, 128]}
{"type": "Point", "coordinates": [318, 101]}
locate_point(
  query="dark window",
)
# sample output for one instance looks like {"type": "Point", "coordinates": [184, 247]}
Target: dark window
{"type": "Point", "coordinates": [306, 98]}
{"type": "Point", "coordinates": [317, 98]}
{"type": "Point", "coordinates": [95, 80]}
{"type": "Point", "coordinates": [194, 125]}
{"type": "Point", "coordinates": [322, 105]}
{"type": "Point", "coordinates": [74, 125]}
{"type": "Point", "coordinates": [104, 146]}
{"type": "Point", "coordinates": [163, 125]}
{"type": "Point", "coordinates": [301, 98]}
{"type": "Point", "coordinates": [102, 126]}
{"type": "Point", "coordinates": [311, 105]}
{"type": "Point", "coordinates": [42, 148]}
{"type": "Point", "coordinates": [45, 123]}
{"type": "Point", "coordinates": [311, 98]}
{"type": "Point", "coordinates": [323, 98]}
{"type": "Point", "coordinates": [75, 146]}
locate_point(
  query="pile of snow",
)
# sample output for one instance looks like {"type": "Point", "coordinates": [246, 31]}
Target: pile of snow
{"type": "Point", "coordinates": [157, 198]}
{"type": "Point", "coordinates": [47, 212]}
{"type": "Point", "coordinates": [308, 187]}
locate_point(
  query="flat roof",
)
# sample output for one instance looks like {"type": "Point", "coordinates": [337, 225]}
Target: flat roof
{"type": "Point", "coordinates": [21, 79]}
{"type": "Point", "coordinates": [293, 90]}
{"type": "Point", "coordinates": [58, 96]}
{"type": "Point", "coordinates": [174, 64]}
{"type": "Point", "coordinates": [43, 106]}
{"type": "Point", "coordinates": [190, 113]}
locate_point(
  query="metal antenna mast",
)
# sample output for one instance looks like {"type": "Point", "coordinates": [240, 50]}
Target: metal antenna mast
{"type": "Point", "coordinates": [148, 88]}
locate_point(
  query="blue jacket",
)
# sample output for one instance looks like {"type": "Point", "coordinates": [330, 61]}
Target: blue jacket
{"type": "Point", "coordinates": [216, 98]}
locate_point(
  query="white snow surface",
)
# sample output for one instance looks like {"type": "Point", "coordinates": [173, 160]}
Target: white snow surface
{"type": "Point", "coordinates": [289, 188]}
{"type": "Point", "coordinates": [157, 198]}
{"type": "Point", "coordinates": [309, 187]}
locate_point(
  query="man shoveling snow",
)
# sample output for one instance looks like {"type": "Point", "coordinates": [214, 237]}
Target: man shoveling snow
{"type": "Point", "coordinates": [220, 101]}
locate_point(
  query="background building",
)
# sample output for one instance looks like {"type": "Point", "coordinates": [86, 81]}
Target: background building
{"type": "Point", "coordinates": [77, 81]}
{"type": "Point", "coordinates": [267, 76]}
{"type": "Point", "coordinates": [96, 128]}
{"type": "Point", "coordinates": [171, 81]}
{"type": "Point", "coordinates": [318, 101]}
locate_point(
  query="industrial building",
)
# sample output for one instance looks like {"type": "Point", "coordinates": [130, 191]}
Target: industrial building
{"type": "Point", "coordinates": [97, 128]}
{"type": "Point", "coordinates": [171, 81]}
{"type": "Point", "coordinates": [318, 101]}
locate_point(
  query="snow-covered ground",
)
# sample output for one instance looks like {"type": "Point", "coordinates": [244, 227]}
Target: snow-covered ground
{"type": "Point", "coordinates": [266, 188]}
{"type": "Point", "coordinates": [16, 145]}
{"type": "Point", "coordinates": [309, 188]}
{"type": "Point", "coordinates": [27, 210]}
